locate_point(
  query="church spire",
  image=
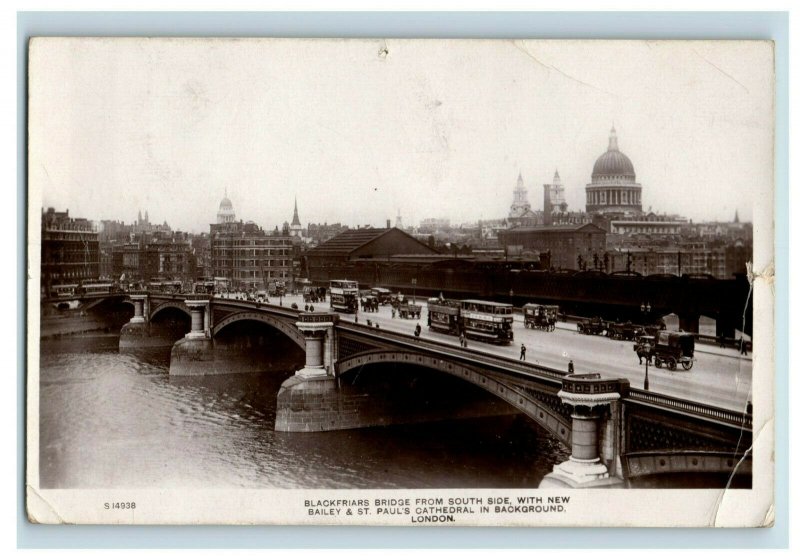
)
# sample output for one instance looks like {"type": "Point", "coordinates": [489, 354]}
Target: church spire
{"type": "Point", "coordinates": [296, 217]}
{"type": "Point", "coordinates": [612, 140]}
{"type": "Point", "coordinates": [736, 217]}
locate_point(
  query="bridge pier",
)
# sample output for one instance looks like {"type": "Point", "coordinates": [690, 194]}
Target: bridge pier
{"type": "Point", "coordinates": [596, 427]}
{"type": "Point", "coordinates": [194, 354]}
{"type": "Point", "coordinates": [310, 401]}
{"type": "Point", "coordinates": [136, 332]}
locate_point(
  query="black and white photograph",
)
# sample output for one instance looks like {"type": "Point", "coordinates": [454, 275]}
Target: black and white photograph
{"type": "Point", "coordinates": [400, 282]}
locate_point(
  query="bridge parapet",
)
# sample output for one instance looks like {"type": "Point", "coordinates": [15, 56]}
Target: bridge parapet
{"type": "Point", "coordinates": [699, 410]}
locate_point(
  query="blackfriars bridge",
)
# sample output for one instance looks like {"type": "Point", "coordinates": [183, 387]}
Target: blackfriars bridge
{"type": "Point", "coordinates": [615, 433]}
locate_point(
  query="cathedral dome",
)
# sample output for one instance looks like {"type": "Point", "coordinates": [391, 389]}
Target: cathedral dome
{"type": "Point", "coordinates": [613, 163]}
{"type": "Point", "coordinates": [225, 214]}
{"type": "Point", "coordinates": [226, 204]}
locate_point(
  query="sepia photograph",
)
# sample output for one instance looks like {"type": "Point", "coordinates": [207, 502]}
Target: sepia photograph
{"type": "Point", "coordinates": [400, 282]}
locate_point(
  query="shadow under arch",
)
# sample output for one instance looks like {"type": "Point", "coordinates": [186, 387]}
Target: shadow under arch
{"type": "Point", "coordinates": [553, 422]}
{"type": "Point", "coordinates": [286, 328]}
{"type": "Point", "coordinates": [170, 305]}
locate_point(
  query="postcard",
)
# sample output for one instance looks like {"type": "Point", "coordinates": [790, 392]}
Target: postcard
{"type": "Point", "coordinates": [400, 282]}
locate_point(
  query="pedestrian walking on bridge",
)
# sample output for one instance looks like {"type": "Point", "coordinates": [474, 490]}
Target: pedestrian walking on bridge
{"type": "Point", "coordinates": [522, 351]}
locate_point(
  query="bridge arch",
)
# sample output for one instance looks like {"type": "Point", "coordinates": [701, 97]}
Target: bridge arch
{"type": "Point", "coordinates": [285, 327]}
{"type": "Point", "coordinates": [554, 423]}
{"type": "Point", "coordinates": [170, 305]}
{"type": "Point", "coordinates": [104, 300]}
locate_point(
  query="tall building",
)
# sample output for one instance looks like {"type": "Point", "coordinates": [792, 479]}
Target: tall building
{"type": "Point", "coordinates": [614, 190]}
{"type": "Point", "coordinates": [70, 250]}
{"type": "Point", "coordinates": [159, 255]}
{"type": "Point", "coordinates": [247, 256]}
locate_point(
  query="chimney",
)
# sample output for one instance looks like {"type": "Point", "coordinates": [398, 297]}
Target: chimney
{"type": "Point", "coordinates": [388, 224]}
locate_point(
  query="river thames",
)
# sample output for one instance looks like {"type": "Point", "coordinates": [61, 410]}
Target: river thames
{"type": "Point", "coordinates": [109, 419]}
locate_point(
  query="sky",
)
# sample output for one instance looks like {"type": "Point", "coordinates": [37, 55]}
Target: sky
{"type": "Point", "coordinates": [360, 131]}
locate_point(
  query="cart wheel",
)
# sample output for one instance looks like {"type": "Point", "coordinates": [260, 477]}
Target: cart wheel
{"type": "Point", "coordinates": [658, 362]}
{"type": "Point", "coordinates": [687, 365]}
{"type": "Point", "coordinates": [672, 364]}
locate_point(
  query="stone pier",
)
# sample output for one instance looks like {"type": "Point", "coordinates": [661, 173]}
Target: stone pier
{"type": "Point", "coordinates": [310, 400]}
{"type": "Point", "coordinates": [136, 332]}
{"type": "Point", "coordinates": [194, 354]}
{"type": "Point", "coordinates": [595, 459]}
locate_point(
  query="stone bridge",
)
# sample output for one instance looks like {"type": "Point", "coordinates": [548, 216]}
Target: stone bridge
{"type": "Point", "coordinates": [615, 433]}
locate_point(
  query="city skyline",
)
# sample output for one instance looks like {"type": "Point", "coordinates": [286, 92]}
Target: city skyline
{"type": "Point", "coordinates": [213, 116]}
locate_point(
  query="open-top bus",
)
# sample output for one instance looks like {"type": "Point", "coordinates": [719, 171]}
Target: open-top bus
{"type": "Point", "coordinates": [344, 296]}
{"type": "Point", "coordinates": [488, 320]}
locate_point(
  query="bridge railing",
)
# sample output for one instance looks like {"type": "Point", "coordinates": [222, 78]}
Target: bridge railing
{"type": "Point", "coordinates": [482, 358]}
{"type": "Point", "coordinates": [722, 415]}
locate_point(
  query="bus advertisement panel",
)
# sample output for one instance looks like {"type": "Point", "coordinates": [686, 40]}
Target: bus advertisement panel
{"type": "Point", "coordinates": [488, 320]}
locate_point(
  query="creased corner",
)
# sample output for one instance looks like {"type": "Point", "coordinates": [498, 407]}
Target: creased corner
{"type": "Point", "coordinates": [39, 510]}
{"type": "Point", "coordinates": [769, 516]}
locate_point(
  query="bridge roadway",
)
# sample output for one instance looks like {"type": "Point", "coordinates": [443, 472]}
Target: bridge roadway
{"type": "Point", "coordinates": [720, 377]}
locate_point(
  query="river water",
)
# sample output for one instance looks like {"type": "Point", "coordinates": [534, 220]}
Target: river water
{"type": "Point", "coordinates": [118, 420]}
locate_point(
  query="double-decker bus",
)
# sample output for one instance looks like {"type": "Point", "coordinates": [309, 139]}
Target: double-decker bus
{"type": "Point", "coordinates": [488, 320]}
{"type": "Point", "coordinates": [204, 286]}
{"type": "Point", "coordinates": [63, 290]}
{"type": "Point", "coordinates": [96, 287]}
{"type": "Point", "coordinates": [344, 295]}
{"type": "Point", "coordinates": [166, 286]}
{"type": "Point", "coordinates": [444, 315]}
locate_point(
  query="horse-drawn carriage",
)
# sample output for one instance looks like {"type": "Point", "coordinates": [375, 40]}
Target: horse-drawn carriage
{"type": "Point", "coordinates": [595, 325]}
{"type": "Point", "coordinates": [409, 310]}
{"type": "Point", "coordinates": [667, 349]}
{"type": "Point", "coordinates": [624, 331]}
{"type": "Point", "coordinates": [369, 303]}
{"type": "Point", "coordinates": [540, 316]}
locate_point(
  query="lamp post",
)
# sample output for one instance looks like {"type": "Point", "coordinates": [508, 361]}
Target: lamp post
{"type": "Point", "coordinates": [511, 297]}
{"type": "Point", "coordinates": [647, 349]}
{"type": "Point", "coordinates": [414, 287]}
